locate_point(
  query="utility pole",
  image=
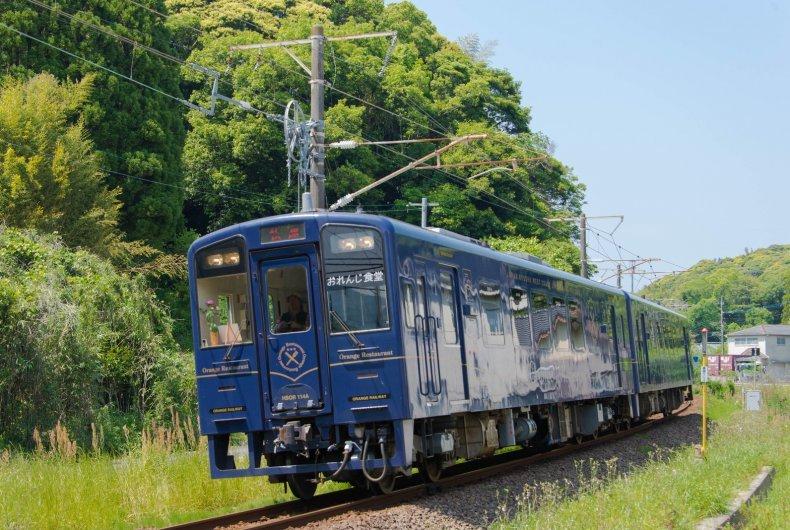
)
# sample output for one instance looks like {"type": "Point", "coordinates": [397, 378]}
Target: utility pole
{"type": "Point", "coordinates": [619, 276]}
{"type": "Point", "coordinates": [317, 86]}
{"type": "Point", "coordinates": [423, 204]}
{"type": "Point", "coordinates": [721, 322]}
{"type": "Point", "coordinates": [582, 220]}
{"type": "Point", "coordinates": [583, 244]}
{"type": "Point", "coordinates": [317, 176]}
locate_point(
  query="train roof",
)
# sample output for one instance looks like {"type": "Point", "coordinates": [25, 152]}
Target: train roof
{"type": "Point", "coordinates": [406, 229]}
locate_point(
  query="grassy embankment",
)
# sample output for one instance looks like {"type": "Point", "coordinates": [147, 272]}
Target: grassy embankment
{"type": "Point", "coordinates": [678, 489]}
{"type": "Point", "coordinates": [152, 486]}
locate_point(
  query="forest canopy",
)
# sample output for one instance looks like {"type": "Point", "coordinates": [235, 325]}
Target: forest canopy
{"type": "Point", "coordinates": [754, 288]}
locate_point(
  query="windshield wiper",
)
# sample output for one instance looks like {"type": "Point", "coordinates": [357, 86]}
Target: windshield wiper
{"type": "Point", "coordinates": [347, 329]}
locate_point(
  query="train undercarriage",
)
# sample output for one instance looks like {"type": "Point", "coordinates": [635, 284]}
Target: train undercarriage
{"type": "Point", "coordinates": [374, 455]}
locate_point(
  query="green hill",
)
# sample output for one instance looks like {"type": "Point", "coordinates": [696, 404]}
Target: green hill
{"type": "Point", "coordinates": [755, 288]}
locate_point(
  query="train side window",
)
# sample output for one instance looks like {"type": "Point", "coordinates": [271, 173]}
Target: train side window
{"type": "Point", "coordinates": [449, 318]}
{"type": "Point", "coordinates": [407, 297]}
{"type": "Point", "coordinates": [493, 324]}
{"type": "Point", "coordinates": [541, 321]}
{"type": "Point", "coordinates": [519, 304]}
{"type": "Point", "coordinates": [559, 323]}
{"type": "Point", "coordinates": [577, 328]}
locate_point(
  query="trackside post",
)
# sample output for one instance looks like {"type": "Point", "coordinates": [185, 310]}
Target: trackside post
{"type": "Point", "coordinates": [703, 376]}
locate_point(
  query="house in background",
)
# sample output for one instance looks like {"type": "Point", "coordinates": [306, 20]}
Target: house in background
{"type": "Point", "coordinates": [773, 343]}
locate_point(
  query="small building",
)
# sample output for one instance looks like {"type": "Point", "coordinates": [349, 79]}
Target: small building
{"type": "Point", "coordinates": [770, 341]}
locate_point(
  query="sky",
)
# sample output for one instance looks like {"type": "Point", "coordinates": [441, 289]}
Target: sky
{"type": "Point", "coordinates": [675, 114]}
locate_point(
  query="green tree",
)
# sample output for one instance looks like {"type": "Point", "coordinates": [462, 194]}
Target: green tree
{"type": "Point", "coordinates": [705, 314]}
{"type": "Point", "coordinates": [751, 286]}
{"type": "Point", "coordinates": [758, 315]}
{"type": "Point", "coordinates": [559, 253]}
{"type": "Point", "coordinates": [82, 343]}
{"type": "Point", "coordinates": [50, 177]}
{"type": "Point", "coordinates": [138, 132]}
{"type": "Point", "coordinates": [233, 162]}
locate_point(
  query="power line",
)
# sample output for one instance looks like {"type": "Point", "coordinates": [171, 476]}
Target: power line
{"type": "Point", "coordinates": [97, 65]}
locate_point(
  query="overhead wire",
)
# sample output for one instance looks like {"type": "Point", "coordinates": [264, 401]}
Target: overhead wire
{"type": "Point", "coordinates": [132, 42]}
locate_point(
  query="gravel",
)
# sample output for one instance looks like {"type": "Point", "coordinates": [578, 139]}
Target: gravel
{"type": "Point", "coordinates": [480, 504]}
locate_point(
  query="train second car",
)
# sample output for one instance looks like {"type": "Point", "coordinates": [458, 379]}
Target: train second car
{"type": "Point", "coordinates": [352, 347]}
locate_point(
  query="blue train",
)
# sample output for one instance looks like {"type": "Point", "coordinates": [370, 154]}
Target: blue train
{"type": "Point", "coordinates": [354, 347]}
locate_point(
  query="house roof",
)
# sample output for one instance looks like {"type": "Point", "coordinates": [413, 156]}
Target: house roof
{"type": "Point", "coordinates": [763, 329]}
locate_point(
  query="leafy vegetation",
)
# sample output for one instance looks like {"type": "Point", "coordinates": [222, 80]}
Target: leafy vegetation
{"type": "Point", "coordinates": [429, 81]}
{"type": "Point", "coordinates": [136, 131]}
{"type": "Point", "coordinates": [755, 288]}
{"type": "Point", "coordinates": [82, 343]}
{"type": "Point", "coordinates": [559, 253]}
{"type": "Point", "coordinates": [50, 179]}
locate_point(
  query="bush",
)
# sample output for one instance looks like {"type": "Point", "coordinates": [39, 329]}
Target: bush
{"type": "Point", "coordinates": [82, 344]}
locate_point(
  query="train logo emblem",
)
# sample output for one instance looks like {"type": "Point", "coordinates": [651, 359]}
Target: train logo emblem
{"type": "Point", "coordinates": [291, 357]}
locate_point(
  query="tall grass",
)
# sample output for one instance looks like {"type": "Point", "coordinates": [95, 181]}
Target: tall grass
{"type": "Point", "coordinates": [164, 480]}
{"type": "Point", "coordinates": [674, 490]}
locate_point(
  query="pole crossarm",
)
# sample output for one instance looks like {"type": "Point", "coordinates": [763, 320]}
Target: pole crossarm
{"type": "Point", "coordinates": [346, 199]}
{"type": "Point", "coordinates": [484, 162]}
{"type": "Point", "coordinates": [295, 42]}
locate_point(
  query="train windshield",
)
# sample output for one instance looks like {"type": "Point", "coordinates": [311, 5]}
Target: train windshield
{"type": "Point", "coordinates": [354, 278]}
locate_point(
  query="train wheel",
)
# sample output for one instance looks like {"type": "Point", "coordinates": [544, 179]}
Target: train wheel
{"type": "Point", "coordinates": [430, 469]}
{"type": "Point", "coordinates": [384, 486]}
{"type": "Point", "coordinates": [578, 439]}
{"type": "Point", "coordinates": [618, 426]}
{"type": "Point", "coordinates": [303, 485]}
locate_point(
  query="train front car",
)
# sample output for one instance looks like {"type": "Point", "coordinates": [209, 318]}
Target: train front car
{"type": "Point", "coordinates": [293, 325]}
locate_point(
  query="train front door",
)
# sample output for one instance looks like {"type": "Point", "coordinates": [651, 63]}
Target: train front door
{"type": "Point", "coordinates": [289, 333]}
{"type": "Point", "coordinates": [443, 364]}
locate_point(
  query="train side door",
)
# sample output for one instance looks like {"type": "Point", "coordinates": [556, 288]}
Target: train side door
{"type": "Point", "coordinates": [289, 300]}
{"type": "Point", "coordinates": [449, 338]}
{"type": "Point", "coordinates": [425, 326]}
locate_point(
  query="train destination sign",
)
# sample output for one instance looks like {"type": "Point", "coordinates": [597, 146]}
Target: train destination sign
{"type": "Point", "coordinates": [287, 232]}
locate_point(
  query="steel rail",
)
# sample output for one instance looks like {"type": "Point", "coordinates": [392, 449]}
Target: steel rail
{"type": "Point", "coordinates": [300, 512]}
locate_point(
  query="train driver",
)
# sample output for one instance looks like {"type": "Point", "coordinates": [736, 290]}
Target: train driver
{"type": "Point", "coordinates": [295, 319]}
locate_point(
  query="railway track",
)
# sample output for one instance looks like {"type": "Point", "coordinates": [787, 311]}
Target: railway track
{"type": "Point", "coordinates": [299, 512]}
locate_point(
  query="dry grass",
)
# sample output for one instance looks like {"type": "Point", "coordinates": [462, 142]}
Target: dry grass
{"type": "Point", "coordinates": [164, 480]}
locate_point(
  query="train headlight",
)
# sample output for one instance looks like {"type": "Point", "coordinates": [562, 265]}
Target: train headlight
{"type": "Point", "coordinates": [215, 260]}
{"type": "Point", "coordinates": [348, 244]}
{"type": "Point", "coordinates": [231, 258]}
{"type": "Point", "coordinates": [366, 242]}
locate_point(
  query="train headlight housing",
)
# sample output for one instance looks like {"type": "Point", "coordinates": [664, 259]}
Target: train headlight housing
{"type": "Point", "coordinates": [223, 259]}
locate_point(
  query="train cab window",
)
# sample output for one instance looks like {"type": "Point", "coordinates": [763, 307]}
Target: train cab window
{"type": "Point", "coordinates": [493, 323]}
{"type": "Point", "coordinates": [287, 298]}
{"type": "Point", "coordinates": [559, 323]}
{"type": "Point", "coordinates": [449, 317]}
{"type": "Point", "coordinates": [222, 295]}
{"type": "Point", "coordinates": [355, 278]}
{"type": "Point", "coordinates": [577, 328]}
{"type": "Point", "coordinates": [519, 305]}
{"type": "Point", "coordinates": [541, 321]}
